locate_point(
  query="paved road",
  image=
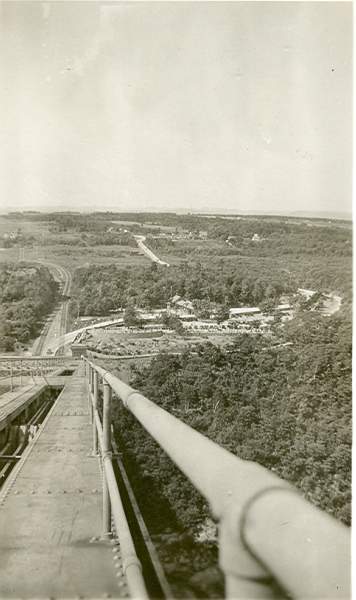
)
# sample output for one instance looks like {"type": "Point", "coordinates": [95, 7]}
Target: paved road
{"type": "Point", "coordinates": [140, 239]}
{"type": "Point", "coordinates": [68, 338]}
{"type": "Point", "coordinates": [55, 328]}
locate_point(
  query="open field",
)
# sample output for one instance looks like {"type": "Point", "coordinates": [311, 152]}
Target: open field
{"type": "Point", "coordinates": [120, 341]}
{"type": "Point", "coordinates": [72, 257]}
{"type": "Point", "coordinates": [145, 225]}
{"type": "Point", "coordinates": [27, 227]}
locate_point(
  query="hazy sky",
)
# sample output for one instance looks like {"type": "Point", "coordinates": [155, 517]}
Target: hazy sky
{"type": "Point", "coordinates": [175, 105]}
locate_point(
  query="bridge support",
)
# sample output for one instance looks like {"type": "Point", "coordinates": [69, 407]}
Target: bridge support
{"type": "Point", "coordinates": [94, 409]}
{"type": "Point", "coordinates": [91, 392]}
{"type": "Point", "coordinates": [106, 452]}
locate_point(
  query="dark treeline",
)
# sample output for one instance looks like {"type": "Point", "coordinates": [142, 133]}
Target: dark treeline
{"type": "Point", "coordinates": [309, 231]}
{"type": "Point", "coordinates": [237, 282]}
{"type": "Point", "coordinates": [100, 289]}
{"type": "Point", "coordinates": [27, 294]}
{"type": "Point", "coordinates": [274, 241]}
{"type": "Point", "coordinates": [287, 408]}
{"type": "Point", "coordinates": [92, 239]}
{"type": "Point", "coordinates": [193, 221]}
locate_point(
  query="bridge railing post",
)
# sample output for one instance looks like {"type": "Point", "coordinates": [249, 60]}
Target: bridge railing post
{"type": "Point", "coordinates": [106, 452]}
{"type": "Point", "coordinates": [91, 393]}
{"type": "Point", "coordinates": [94, 408]}
{"type": "Point", "coordinates": [89, 385]}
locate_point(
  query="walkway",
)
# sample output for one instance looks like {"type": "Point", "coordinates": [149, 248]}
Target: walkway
{"type": "Point", "coordinates": [50, 512]}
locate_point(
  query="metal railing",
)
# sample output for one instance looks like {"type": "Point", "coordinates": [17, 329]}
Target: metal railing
{"type": "Point", "coordinates": [32, 366]}
{"type": "Point", "coordinates": [270, 537]}
{"type": "Point", "coordinates": [112, 505]}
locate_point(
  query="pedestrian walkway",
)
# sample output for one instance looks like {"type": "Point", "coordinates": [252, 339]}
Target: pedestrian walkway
{"type": "Point", "coordinates": [50, 512]}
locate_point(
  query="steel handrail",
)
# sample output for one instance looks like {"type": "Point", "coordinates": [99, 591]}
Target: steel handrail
{"type": "Point", "coordinates": [5, 358]}
{"type": "Point", "coordinates": [130, 563]}
{"type": "Point", "coordinates": [112, 503]}
{"type": "Point", "coordinates": [267, 529]}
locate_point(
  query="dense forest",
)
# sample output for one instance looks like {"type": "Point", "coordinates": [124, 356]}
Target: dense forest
{"type": "Point", "coordinates": [286, 407]}
{"type": "Point", "coordinates": [273, 240]}
{"type": "Point", "coordinates": [277, 235]}
{"type": "Point", "coordinates": [153, 286]}
{"type": "Point", "coordinates": [27, 294]}
{"type": "Point", "coordinates": [289, 252]}
{"type": "Point", "coordinates": [91, 239]}
{"type": "Point", "coordinates": [232, 283]}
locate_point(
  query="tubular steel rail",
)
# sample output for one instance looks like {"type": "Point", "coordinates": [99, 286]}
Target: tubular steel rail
{"type": "Point", "coordinates": [112, 504]}
{"type": "Point", "coordinates": [270, 537]}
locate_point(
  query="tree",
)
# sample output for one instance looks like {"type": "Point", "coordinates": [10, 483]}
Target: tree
{"type": "Point", "coordinates": [172, 322]}
{"type": "Point", "coordinates": [222, 314]}
{"type": "Point", "coordinates": [130, 317]}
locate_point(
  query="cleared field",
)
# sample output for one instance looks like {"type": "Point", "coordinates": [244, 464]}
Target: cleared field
{"type": "Point", "coordinates": [9, 254]}
{"type": "Point", "coordinates": [123, 342]}
{"type": "Point", "coordinates": [72, 257]}
{"type": "Point", "coordinates": [145, 225]}
{"type": "Point", "coordinates": [28, 227]}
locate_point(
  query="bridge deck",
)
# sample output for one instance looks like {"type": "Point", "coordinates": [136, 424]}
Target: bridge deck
{"type": "Point", "coordinates": [12, 403]}
{"type": "Point", "coordinates": [50, 512]}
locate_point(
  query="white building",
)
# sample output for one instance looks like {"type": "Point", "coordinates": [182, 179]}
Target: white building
{"type": "Point", "coordinates": [243, 310]}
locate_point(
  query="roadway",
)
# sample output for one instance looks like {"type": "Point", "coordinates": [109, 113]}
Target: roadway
{"type": "Point", "coordinates": [140, 239]}
{"type": "Point", "coordinates": [65, 339]}
{"type": "Point", "coordinates": [56, 327]}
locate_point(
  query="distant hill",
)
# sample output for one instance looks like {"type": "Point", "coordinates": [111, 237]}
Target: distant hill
{"type": "Point", "coordinates": [298, 214]}
{"type": "Point", "coordinates": [301, 214]}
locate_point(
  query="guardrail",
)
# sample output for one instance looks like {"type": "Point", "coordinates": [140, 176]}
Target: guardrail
{"type": "Point", "coordinates": [43, 359]}
{"type": "Point", "coordinates": [270, 537]}
{"type": "Point", "coordinates": [112, 504]}
{"type": "Point", "coordinates": [17, 366]}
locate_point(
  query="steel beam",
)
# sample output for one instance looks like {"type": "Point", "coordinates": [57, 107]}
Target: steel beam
{"type": "Point", "coordinates": [106, 452]}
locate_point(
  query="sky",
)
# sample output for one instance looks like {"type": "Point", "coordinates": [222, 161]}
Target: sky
{"type": "Point", "coordinates": [184, 106]}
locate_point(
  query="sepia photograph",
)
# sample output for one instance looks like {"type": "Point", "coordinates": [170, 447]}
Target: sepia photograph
{"type": "Point", "coordinates": [176, 306]}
